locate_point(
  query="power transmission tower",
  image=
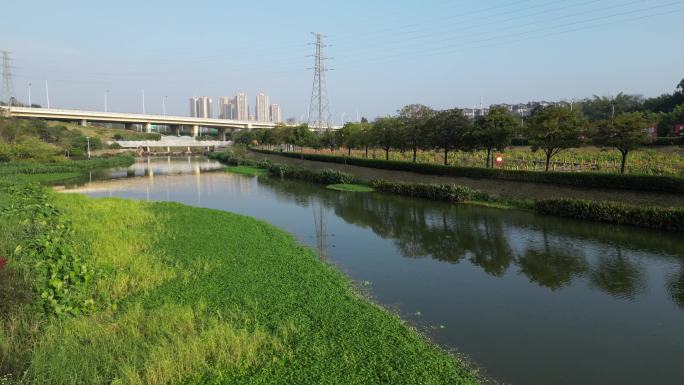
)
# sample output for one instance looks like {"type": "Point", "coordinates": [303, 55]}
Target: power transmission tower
{"type": "Point", "coordinates": [319, 108]}
{"type": "Point", "coordinates": [7, 84]}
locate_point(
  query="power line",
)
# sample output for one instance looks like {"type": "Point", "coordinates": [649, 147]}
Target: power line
{"type": "Point", "coordinates": [319, 107]}
{"type": "Point", "coordinates": [453, 48]}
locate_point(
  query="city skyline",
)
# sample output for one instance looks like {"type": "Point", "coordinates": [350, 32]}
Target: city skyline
{"type": "Point", "coordinates": [388, 55]}
{"type": "Point", "coordinates": [236, 108]}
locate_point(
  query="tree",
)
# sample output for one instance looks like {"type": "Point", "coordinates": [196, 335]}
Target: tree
{"type": "Point", "coordinates": [300, 136]}
{"type": "Point", "coordinates": [329, 140]}
{"type": "Point", "coordinates": [625, 132]}
{"type": "Point", "coordinates": [553, 129]}
{"type": "Point", "coordinates": [666, 102]}
{"type": "Point", "coordinates": [601, 107]}
{"type": "Point", "coordinates": [414, 119]}
{"type": "Point", "coordinates": [494, 131]}
{"type": "Point", "coordinates": [349, 136]}
{"type": "Point", "coordinates": [384, 133]}
{"type": "Point", "coordinates": [364, 137]}
{"type": "Point", "coordinates": [449, 130]}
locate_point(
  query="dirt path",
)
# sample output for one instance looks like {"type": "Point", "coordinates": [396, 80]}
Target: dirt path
{"type": "Point", "coordinates": [512, 189]}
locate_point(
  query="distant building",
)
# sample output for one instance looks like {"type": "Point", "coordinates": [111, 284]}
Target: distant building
{"type": "Point", "coordinates": [200, 107]}
{"type": "Point", "coordinates": [224, 106]}
{"type": "Point", "coordinates": [261, 109]}
{"type": "Point", "coordinates": [241, 106]}
{"type": "Point", "coordinates": [193, 107]}
{"type": "Point", "coordinates": [204, 107]}
{"type": "Point", "coordinates": [276, 115]}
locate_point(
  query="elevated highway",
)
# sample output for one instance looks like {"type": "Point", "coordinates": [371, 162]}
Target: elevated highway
{"type": "Point", "coordinates": [146, 120]}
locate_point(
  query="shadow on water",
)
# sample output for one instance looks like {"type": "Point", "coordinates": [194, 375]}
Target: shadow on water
{"type": "Point", "coordinates": [482, 236]}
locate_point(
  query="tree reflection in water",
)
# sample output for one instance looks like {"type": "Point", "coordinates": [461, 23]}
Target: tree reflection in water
{"type": "Point", "coordinates": [551, 252]}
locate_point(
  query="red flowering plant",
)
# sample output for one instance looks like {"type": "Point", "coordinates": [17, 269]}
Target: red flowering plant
{"type": "Point", "coordinates": [3, 262]}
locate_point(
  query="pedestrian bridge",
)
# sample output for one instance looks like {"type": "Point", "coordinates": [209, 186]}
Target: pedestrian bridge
{"type": "Point", "coordinates": [146, 120]}
{"type": "Point", "coordinates": [169, 142]}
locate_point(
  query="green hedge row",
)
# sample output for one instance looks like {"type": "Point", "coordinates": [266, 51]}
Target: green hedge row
{"type": "Point", "coordinates": [617, 213]}
{"type": "Point", "coordinates": [578, 179]}
{"type": "Point", "coordinates": [326, 176]}
{"type": "Point", "coordinates": [435, 192]}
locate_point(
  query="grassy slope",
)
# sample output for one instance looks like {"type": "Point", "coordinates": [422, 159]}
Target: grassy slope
{"type": "Point", "coordinates": [350, 187]}
{"type": "Point", "coordinates": [212, 297]}
{"type": "Point", "coordinates": [247, 170]}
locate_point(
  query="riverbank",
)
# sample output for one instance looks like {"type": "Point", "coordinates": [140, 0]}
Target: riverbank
{"type": "Point", "coordinates": [184, 304]}
{"type": "Point", "coordinates": [514, 190]}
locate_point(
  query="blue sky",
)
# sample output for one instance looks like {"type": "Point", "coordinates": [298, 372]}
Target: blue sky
{"type": "Point", "coordinates": [385, 53]}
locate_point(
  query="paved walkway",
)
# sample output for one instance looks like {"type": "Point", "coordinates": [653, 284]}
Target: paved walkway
{"type": "Point", "coordinates": [512, 189]}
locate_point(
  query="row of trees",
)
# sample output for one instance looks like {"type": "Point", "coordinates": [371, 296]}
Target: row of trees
{"type": "Point", "coordinates": [667, 109]}
{"type": "Point", "coordinates": [417, 127]}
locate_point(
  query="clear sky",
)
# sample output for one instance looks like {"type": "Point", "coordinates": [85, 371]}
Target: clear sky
{"type": "Point", "coordinates": [385, 53]}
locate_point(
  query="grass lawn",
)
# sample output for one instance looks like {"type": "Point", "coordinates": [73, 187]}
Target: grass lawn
{"type": "Point", "coordinates": [247, 170]}
{"type": "Point", "coordinates": [350, 187]}
{"type": "Point", "coordinates": [209, 297]}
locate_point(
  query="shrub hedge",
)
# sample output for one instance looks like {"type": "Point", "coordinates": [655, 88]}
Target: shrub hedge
{"type": "Point", "coordinates": [617, 213]}
{"type": "Point", "coordinates": [435, 192]}
{"type": "Point", "coordinates": [579, 179]}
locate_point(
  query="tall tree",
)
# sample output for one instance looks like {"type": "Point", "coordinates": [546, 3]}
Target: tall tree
{"type": "Point", "coordinates": [626, 133]}
{"type": "Point", "coordinates": [601, 107]}
{"type": "Point", "coordinates": [553, 129]}
{"type": "Point", "coordinates": [384, 133]}
{"type": "Point", "coordinates": [348, 136]}
{"type": "Point", "coordinates": [414, 123]}
{"type": "Point", "coordinates": [329, 139]}
{"type": "Point", "coordinates": [494, 131]}
{"type": "Point", "coordinates": [449, 130]}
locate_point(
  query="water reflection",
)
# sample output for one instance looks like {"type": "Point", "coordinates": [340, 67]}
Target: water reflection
{"type": "Point", "coordinates": [486, 238]}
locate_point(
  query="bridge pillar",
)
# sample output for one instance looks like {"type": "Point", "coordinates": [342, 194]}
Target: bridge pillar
{"type": "Point", "coordinates": [195, 131]}
{"type": "Point", "coordinates": [148, 127]}
{"type": "Point", "coordinates": [84, 122]}
{"type": "Point", "coordinates": [222, 134]}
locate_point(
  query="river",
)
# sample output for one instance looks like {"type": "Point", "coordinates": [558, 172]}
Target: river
{"type": "Point", "coordinates": [529, 299]}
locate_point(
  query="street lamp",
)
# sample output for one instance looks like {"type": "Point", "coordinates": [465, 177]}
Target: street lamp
{"type": "Point", "coordinates": [88, 141]}
{"type": "Point", "coordinates": [164, 105]}
{"type": "Point", "coordinates": [143, 101]}
{"type": "Point", "coordinates": [29, 95]}
{"type": "Point", "coordinates": [106, 93]}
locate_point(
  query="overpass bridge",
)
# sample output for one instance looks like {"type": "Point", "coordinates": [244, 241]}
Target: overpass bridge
{"type": "Point", "coordinates": [146, 120]}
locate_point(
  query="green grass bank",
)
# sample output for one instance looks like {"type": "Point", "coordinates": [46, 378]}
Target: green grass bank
{"type": "Point", "coordinates": [153, 293]}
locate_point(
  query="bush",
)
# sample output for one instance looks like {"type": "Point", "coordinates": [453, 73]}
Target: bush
{"type": "Point", "coordinates": [616, 213]}
{"type": "Point", "coordinates": [668, 141]}
{"type": "Point", "coordinates": [325, 177]}
{"type": "Point", "coordinates": [435, 192]}
{"type": "Point", "coordinates": [579, 179]}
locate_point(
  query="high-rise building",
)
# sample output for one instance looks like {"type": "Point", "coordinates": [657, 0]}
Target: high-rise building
{"type": "Point", "coordinates": [261, 111]}
{"type": "Point", "coordinates": [241, 107]}
{"type": "Point", "coordinates": [204, 107]}
{"type": "Point", "coordinates": [200, 107]}
{"type": "Point", "coordinates": [276, 115]}
{"type": "Point", "coordinates": [224, 104]}
{"type": "Point", "coordinates": [193, 107]}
